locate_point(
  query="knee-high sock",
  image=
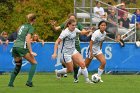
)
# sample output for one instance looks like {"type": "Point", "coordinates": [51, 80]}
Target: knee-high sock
{"type": "Point", "coordinates": [75, 72]}
{"type": "Point", "coordinates": [79, 72]}
{"type": "Point", "coordinates": [85, 73]}
{"type": "Point", "coordinates": [31, 72]}
{"type": "Point", "coordinates": [14, 74]}
{"type": "Point", "coordinates": [100, 71]}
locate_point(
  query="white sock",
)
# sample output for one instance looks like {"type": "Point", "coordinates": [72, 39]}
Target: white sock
{"type": "Point", "coordinates": [100, 71]}
{"type": "Point", "coordinates": [85, 73]}
{"type": "Point", "coordinates": [62, 71]}
{"type": "Point", "coordinates": [79, 72]}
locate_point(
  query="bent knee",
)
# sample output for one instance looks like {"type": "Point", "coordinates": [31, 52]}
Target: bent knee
{"type": "Point", "coordinates": [82, 65]}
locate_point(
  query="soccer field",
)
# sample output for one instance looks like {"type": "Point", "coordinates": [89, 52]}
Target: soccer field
{"type": "Point", "coordinates": [47, 83]}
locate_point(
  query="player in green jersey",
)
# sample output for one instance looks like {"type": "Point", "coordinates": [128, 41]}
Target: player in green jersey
{"type": "Point", "coordinates": [22, 48]}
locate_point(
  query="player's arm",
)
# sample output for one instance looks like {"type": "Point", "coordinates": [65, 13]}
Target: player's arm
{"type": "Point", "coordinates": [56, 47]}
{"type": "Point", "coordinates": [56, 28]}
{"type": "Point", "coordinates": [28, 41]}
{"type": "Point", "coordinates": [85, 32]}
{"type": "Point", "coordinates": [53, 23]}
{"type": "Point", "coordinates": [90, 48]}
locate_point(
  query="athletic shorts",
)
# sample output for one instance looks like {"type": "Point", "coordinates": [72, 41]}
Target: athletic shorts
{"type": "Point", "coordinates": [68, 57]}
{"type": "Point", "coordinates": [19, 52]}
{"type": "Point", "coordinates": [95, 52]}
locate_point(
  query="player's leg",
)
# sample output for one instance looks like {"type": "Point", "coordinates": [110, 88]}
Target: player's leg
{"type": "Point", "coordinates": [68, 69]}
{"type": "Point", "coordinates": [33, 62]}
{"type": "Point", "coordinates": [87, 62]}
{"type": "Point", "coordinates": [64, 66]}
{"type": "Point", "coordinates": [18, 64]}
{"type": "Point", "coordinates": [69, 66]}
{"type": "Point", "coordinates": [102, 60]}
{"type": "Point", "coordinates": [76, 68]}
{"type": "Point", "coordinates": [78, 59]}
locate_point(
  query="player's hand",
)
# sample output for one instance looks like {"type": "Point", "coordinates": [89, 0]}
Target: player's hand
{"type": "Point", "coordinates": [33, 53]}
{"type": "Point", "coordinates": [54, 56]}
{"type": "Point", "coordinates": [52, 22]}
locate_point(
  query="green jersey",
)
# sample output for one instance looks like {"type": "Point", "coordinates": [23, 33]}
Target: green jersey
{"type": "Point", "coordinates": [77, 41]}
{"type": "Point", "coordinates": [22, 33]}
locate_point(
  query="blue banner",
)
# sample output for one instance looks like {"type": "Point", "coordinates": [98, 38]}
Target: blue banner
{"type": "Point", "coordinates": [118, 58]}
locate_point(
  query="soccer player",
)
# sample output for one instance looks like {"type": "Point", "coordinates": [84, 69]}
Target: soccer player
{"type": "Point", "coordinates": [69, 52]}
{"type": "Point", "coordinates": [95, 47]}
{"type": "Point", "coordinates": [22, 48]}
{"type": "Point", "coordinates": [77, 41]}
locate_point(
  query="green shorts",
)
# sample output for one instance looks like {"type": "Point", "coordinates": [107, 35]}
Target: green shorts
{"type": "Point", "coordinates": [19, 52]}
{"type": "Point", "coordinates": [78, 49]}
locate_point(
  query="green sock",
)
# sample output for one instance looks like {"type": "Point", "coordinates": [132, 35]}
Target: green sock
{"type": "Point", "coordinates": [31, 72]}
{"type": "Point", "coordinates": [14, 74]}
{"type": "Point", "coordinates": [75, 72]}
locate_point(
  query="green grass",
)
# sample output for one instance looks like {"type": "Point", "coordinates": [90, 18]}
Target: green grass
{"type": "Point", "coordinates": [47, 83]}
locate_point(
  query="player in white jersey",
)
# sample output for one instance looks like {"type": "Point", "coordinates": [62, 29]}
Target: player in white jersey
{"type": "Point", "coordinates": [95, 47]}
{"type": "Point", "coordinates": [69, 52]}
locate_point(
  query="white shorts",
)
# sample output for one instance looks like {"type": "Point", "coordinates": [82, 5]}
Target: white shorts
{"type": "Point", "coordinates": [95, 52]}
{"type": "Point", "coordinates": [68, 57]}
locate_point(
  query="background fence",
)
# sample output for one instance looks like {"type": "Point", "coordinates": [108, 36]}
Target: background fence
{"type": "Point", "coordinates": [118, 58]}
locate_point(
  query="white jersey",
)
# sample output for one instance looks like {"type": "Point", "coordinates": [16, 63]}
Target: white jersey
{"type": "Point", "coordinates": [97, 38]}
{"type": "Point", "coordinates": [98, 11]}
{"type": "Point", "coordinates": [68, 38]}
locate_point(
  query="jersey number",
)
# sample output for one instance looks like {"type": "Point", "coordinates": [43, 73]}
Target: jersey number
{"type": "Point", "coordinates": [21, 29]}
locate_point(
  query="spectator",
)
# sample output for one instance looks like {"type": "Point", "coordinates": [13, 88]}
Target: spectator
{"type": "Point", "coordinates": [112, 25]}
{"type": "Point", "coordinates": [122, 10]}
{"type": "Point", "coordinates": [98, 13]}
{"type": "Point", "coordinates": [35, 38]}
{"type": "Point", "coordinates": [124, 21]}
{"type": "Point", "coordinates": [138, 32]}
{"type": "Point", "coordinates": [4, 38]}
{"type": "Point", "coordinates": [119, 39]}
{"type": "Point", "coordinates": [136, 16]}
{"type": "Point", "coordinates": [109, 8]}
{"type": "Point", "coordinates": [13, 36]}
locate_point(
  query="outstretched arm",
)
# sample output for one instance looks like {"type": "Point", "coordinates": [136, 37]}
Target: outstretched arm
{"type": "Point", "coordinates": [53, 23]}
{"type": "Point", "coordinates": [85, 32]}
{"type": "Point", "coordinates": [56, 47]}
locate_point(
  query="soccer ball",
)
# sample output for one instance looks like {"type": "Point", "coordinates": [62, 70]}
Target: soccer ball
{"type": "Point", "coordinates": [138, 43]}
{"type": "Point", "coordinates": [95, 78]}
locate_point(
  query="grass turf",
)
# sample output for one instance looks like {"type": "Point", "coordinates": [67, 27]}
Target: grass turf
{"type": "Point", "coordinates": [47, 83]}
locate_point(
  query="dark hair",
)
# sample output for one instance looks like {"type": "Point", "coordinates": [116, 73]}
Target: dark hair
{"type": "Point", "coordinates": [71, 14]}
{"type": "Point", "coordinates": [109, 3]}
{"type": "Point", "coordinates": [101, 23]}
{"type": "Point", "coordinates": [97, 2]}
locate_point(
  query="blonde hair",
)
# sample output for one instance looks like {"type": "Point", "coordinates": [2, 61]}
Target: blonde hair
{"type": "Point", "coordinates": [31, 17]}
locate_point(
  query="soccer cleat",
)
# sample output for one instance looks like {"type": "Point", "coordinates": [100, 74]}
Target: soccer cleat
{"type": "Point", "coordinates": [29, 84]}
{"type": "Point", "coordinates": [65, 75]}
{"type": "Point", "coordinates": [10, 85]}
{"type": "Point", "coordinates": [76, 81]}
{"type": "Point", "coordinates": [89, 81]}
{"type": "Point", "coordinates": [58, 76]}
{"type": "Point", "coordinates": [101, 80]}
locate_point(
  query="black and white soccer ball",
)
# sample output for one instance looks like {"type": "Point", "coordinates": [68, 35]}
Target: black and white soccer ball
{"type": "Point", "coordinates": [95, 78]}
